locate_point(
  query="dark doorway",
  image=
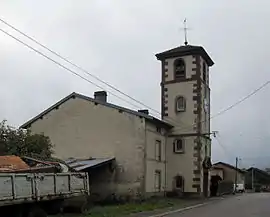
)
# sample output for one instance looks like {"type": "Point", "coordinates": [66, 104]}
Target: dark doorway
{"type": "Point", "coordinates": [205, 182]}
{"type": "Point", "coordinates": [214, 185]}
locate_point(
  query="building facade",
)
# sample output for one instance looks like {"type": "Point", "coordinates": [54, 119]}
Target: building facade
{"type": "Point", "coordinates": [153, 156]}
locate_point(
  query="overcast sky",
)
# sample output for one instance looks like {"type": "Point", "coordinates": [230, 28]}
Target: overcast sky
{"type": "Point", "coordinates": [117, 39]}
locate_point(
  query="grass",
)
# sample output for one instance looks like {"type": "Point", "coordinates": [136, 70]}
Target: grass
{"type": "Point", "coordinates": [133, 208]}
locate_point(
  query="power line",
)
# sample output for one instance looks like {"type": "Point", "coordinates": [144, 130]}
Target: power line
{"type": "Point", "coordinates": [64, 67]}
{"type": "Point", "coordinates": [223, 147]}
{"type": "Point", "coordinates": [82, 69]}
{"type": "Point", "coordinates": [73, 72]}
{"type": "Point", "coordinates": [241, 100]}
{"type": "Point", "coordinates": [234, 104]}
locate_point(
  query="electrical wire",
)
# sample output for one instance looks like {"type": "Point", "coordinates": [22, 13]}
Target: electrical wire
{"type": "Point", "coordinates": [64, 67]}
{"type": "Point", "coordinates": [223, 147]}
{"type": "Point", "coordinates": [87, 72]}
{"type": "Point", "coordinates": [234, 104]}
{"type": "Point", "coordinates": [73, 64]}
{"type": "Point", "coordinates": [111, 86]}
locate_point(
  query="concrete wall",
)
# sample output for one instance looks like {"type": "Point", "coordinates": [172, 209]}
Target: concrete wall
{"type": "Point", "coordinates": [83, 129]}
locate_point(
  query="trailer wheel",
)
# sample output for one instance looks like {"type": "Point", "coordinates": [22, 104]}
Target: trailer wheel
{"type": "Point", "coordinates": [36, 212]}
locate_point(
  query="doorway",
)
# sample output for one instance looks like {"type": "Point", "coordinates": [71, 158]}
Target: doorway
{"type": "Point", "coordinates": [205, 183]}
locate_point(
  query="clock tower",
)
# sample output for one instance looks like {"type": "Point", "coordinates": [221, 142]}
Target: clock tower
{"type": "Point", "coordinates": [185, 103]}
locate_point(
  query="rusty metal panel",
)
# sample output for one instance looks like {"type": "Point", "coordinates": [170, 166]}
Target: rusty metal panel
{"type": "Point", "coordinates": [11, 163]}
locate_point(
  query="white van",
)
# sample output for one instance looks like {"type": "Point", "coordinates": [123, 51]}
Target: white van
{"type": "Point", "coordinates": [240, 188]}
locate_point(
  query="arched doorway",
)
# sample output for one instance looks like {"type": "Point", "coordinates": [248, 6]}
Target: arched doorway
{"type": "Point", "coordinates": [178, 185]}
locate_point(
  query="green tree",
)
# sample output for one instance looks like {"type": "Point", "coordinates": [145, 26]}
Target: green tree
{"type": "Point", "coordinates": [22, 142]}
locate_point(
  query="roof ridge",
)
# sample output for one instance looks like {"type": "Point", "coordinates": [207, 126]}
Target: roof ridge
{"type": "Point", "coordinates": [81, 96]}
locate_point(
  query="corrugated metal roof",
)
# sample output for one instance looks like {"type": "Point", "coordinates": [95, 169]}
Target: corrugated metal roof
{"type": "Point", "coordinates": [80, 165]}
{"type": "Point", "coordinates": [12, 162]}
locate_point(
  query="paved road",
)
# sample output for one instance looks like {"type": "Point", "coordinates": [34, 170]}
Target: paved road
{"type": "Point", "coordinates": [246, 205]}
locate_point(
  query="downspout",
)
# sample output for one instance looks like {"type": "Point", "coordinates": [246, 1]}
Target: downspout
{"type": "Point", "coordinates": [165, 190]}
{"type": "Point", "coordinates": [145, 159]}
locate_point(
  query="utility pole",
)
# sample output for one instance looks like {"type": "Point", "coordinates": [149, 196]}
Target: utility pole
{"type": "Point", "coordinates": [235, 180]}
{"type": "Point", "coordinates": [252, 179]}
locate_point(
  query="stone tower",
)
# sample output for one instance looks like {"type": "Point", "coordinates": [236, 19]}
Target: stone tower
{"type": "Point", "coordinates": [186, 104]}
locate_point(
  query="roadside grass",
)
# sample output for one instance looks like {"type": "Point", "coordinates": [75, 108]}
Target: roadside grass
{"type": "Point", "coordinates": [133, 208]}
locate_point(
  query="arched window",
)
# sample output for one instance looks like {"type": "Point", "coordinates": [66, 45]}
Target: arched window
{"type": "Point", "coordinates": [178, 145]}
{"type": "Point", "coordinates": [179, 182]}
{"type": "Point", "coordinates": [180, 104]}
{"type": "Point", "coordinates": [179, 69]}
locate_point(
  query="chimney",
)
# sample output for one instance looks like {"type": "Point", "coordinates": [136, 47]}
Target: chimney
{"type": "Point", "coordinates": [101, 96]}
{"type": "Point", "coordinates": [145, 111]}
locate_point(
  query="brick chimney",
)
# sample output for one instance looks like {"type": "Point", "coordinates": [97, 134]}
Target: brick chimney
{"type": "Point", "coordinates": [101, 96]}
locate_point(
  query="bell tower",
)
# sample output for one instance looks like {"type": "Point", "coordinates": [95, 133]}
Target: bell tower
{"type": "Point", "coordinates": [185, 102]}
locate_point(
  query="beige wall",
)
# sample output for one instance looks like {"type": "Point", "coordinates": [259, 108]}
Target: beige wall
{"type": "Point", "coordinates": [216, 172]}
{"type": "Point", "coordinates": [229, 174]}
{"type": "Point", "coordinates": [153, 164]}
{"type": "Point", "coordinates": [81, 129]}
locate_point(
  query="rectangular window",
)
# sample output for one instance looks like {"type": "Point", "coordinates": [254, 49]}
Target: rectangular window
{"type": "Point", "coordinates": [158, 150]}
{"type": "Point", "coordinates": [179, 146]}
{"type": "Point", "coordinates": [158, 180]}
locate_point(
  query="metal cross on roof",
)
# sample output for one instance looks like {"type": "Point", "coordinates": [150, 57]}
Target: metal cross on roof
{"type": "Point", "coordinates": [185, 31]}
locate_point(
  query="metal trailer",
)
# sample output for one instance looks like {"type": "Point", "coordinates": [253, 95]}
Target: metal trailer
{"type": "Point", "coordinates": [36, 194]}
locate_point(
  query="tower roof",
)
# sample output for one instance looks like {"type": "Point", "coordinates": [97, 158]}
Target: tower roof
{"type": "Point", "coordinates": [186, 50]}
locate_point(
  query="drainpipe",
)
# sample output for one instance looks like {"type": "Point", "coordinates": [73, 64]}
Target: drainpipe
{"type": "Point", "coordinates": [166, 140]}
{"type": "Point", "coordinates": [145, 159]}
